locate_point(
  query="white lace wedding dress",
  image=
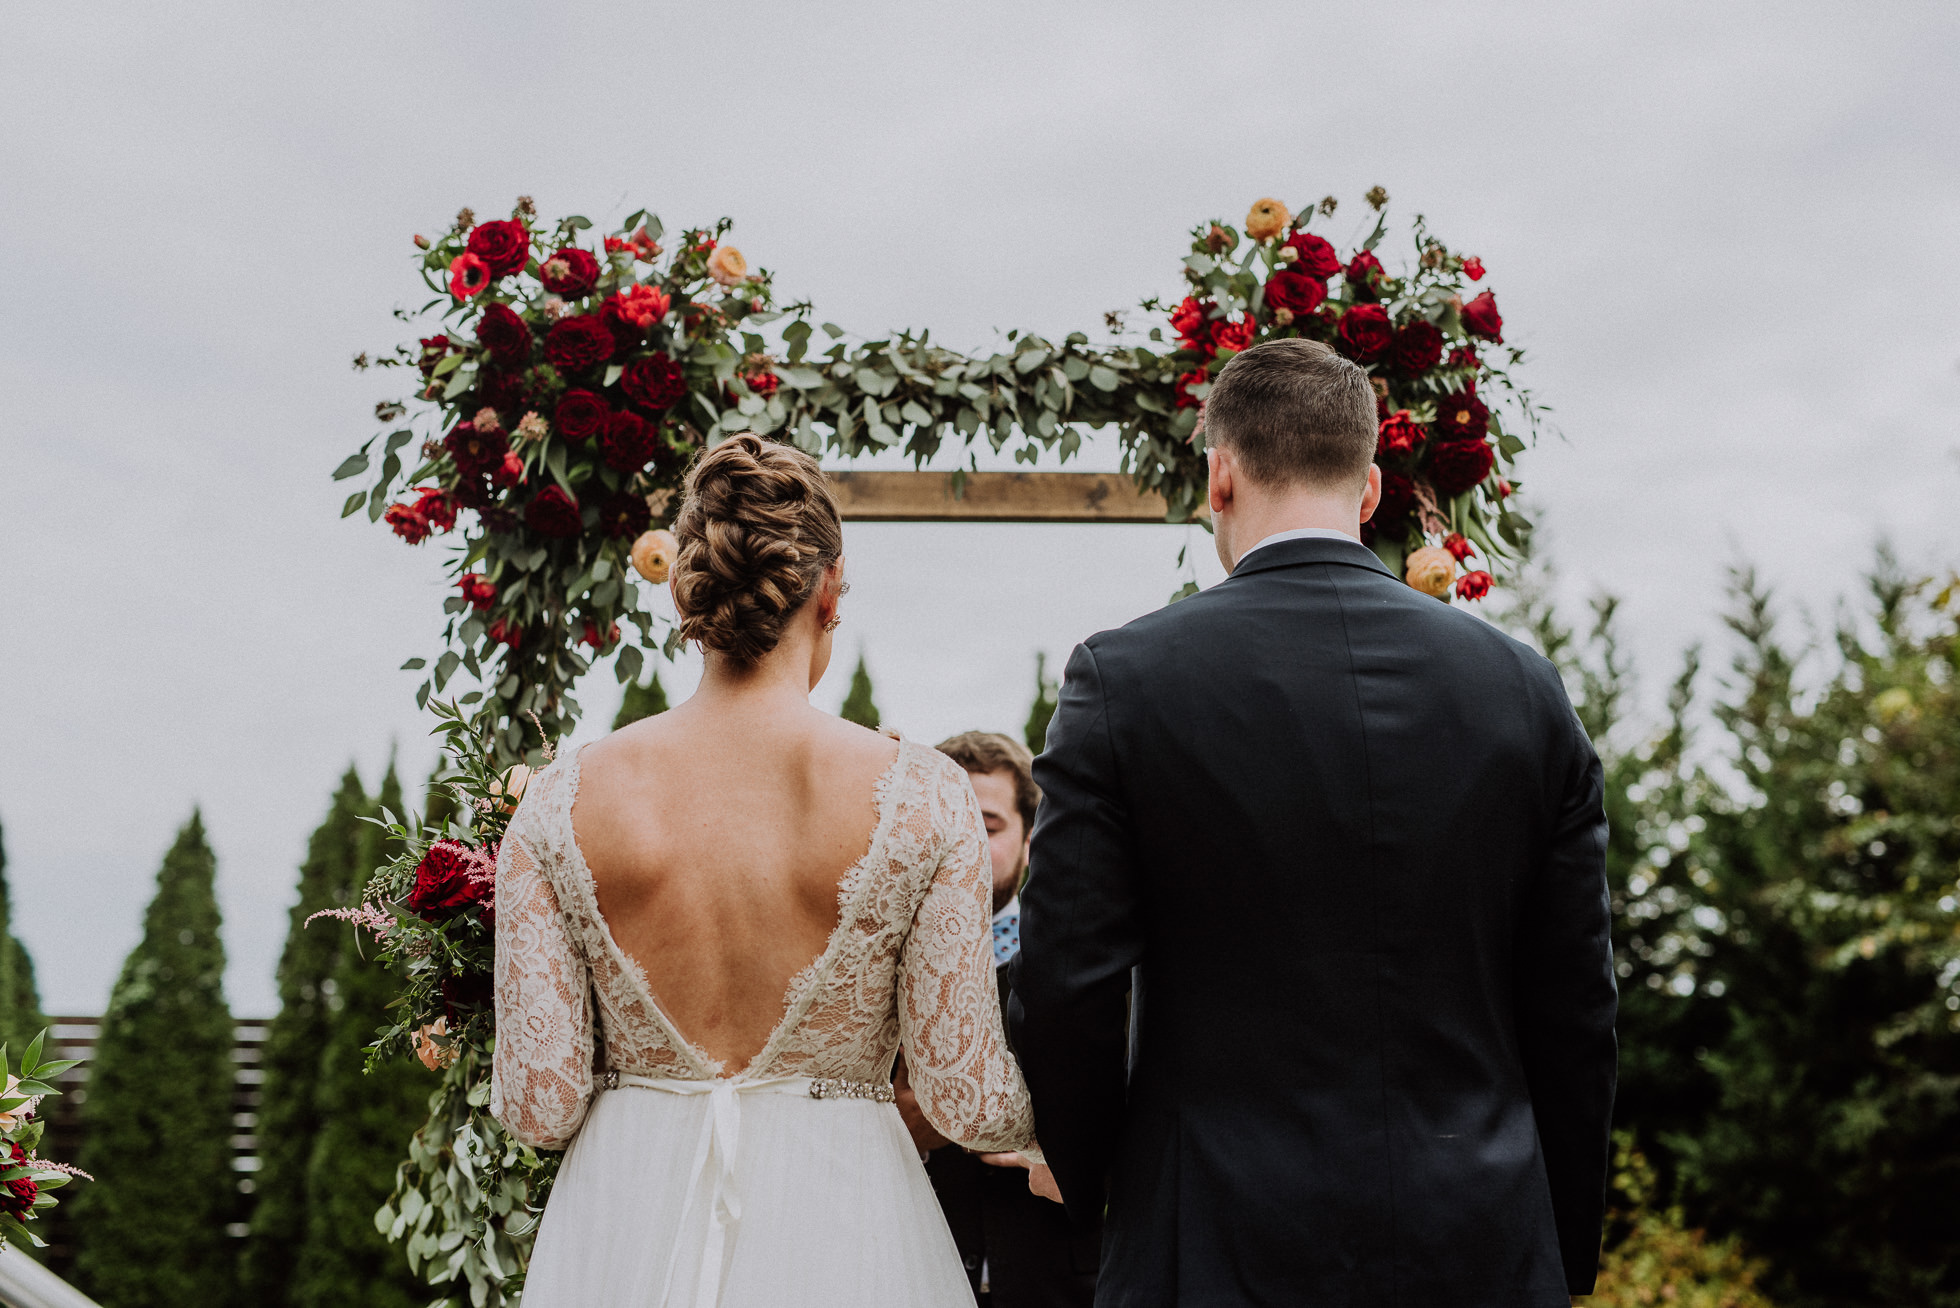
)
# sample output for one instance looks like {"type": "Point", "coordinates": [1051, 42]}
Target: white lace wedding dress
{"type": "Point", "coordinates": [792, 1182]}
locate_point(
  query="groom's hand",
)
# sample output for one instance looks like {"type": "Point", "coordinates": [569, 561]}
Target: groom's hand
{"type": "Point", "coordinates": [924, 1138]}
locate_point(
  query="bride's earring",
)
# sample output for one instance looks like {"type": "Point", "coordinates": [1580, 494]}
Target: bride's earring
{"type": "Point", "coordinates": [836, 621]}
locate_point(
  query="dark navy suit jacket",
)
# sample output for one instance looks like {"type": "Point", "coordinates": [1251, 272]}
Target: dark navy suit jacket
{"type": "Point", "coordinates": [1350, 842]}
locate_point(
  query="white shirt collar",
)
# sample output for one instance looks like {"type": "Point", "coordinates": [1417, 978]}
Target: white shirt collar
{"type": "Point", "coordinates": [1299, 533]}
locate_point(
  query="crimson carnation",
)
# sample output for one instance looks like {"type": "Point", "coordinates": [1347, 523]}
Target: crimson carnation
{"type": "Point", "coordinates": [1459, 546]}
{"type": "Point", "coordinates": [1398, 497]}
{"type": "Point", "coordinates": [624, 515]}
{"type": "Point", "coordinates": [407, 523]}
{"type": "Point", "coordinates": [504, 245]}
{"type": "Point", "coordinates": [1418, 347]}
{"type": "Point", "coordinates": [1457, 466]}
{"type": "Point", "coordinates": [654, 382]}
{"type": "Point", "coordinates": [554, 513]}
{"type": "Point", "coordinates": [627, 442]}
{"type": "Point", "coordinates": [1191, 320]}
{"type": "Point", "coordinates": [571, 272]}
{"type": "Point", "coordinates": [450, 878]}
{"type": "Point", "coordinates": [436, 507]}
{"type": "Point", "coordinates": [478, 590]}
{"type": "Point", "coordinates": [1462, 417]}
{"type": "Point", "coordinates": [1234, 336]}
{"type": "Point", "coordinates": [1480, 318]}
{"type": "Point", "coordinates": [1316, 257]}
{"type": "Point", "coordinates": [504, 334]}
{"type": "Point", "coordinates": [581, 415]}
{"type": "Point", "coordinates": [17, 1196]}
{"type": "Point", "coordinates": [575, 344]}
{"type": "Point", "coordinates": [1400, 434]}
{"type": "Point", "coordinates": [1294, 291]}
{"type": "Point", "coordinates": [476, 453]}
{"type": "Point", "coordinates": [1364, 334]}
{"type": "Point", "coordinates": [1473, 585]}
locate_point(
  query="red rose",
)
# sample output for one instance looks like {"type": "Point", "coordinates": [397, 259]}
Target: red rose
{"type": "Point", "coordinates": [1418, 347]}
{"type": "Point", "coordinates": [450, 878]}
{"type": "Point", "coordinates": [762, 383]}
{"type": "Point", "coordinates": [571, 272]}
{"type": "Point", "coordinates": [504, 391]}
{"type": "Point", "coordinates": [1234, 336]}
{"type": "Point", "coordinates": [1473, 268]}
{"type": "Point", "coordinates": [1184, 384]}
{"type": "Point", "coordinates": [1462, 417]}
{"type": "Point", "coordinates": [1400, 434]}
{"type": "Point", "coordinates": [1317, 258]}
{"type": "Point", "coordinates": [624, 515]}
{"type": "Point", "coordinates": [591, 635]}
{"type": "Point", "coordinates": [505, 632]}
{"type": "Point", "coordinates": [1364, 334]}
{"type": "Point", "coordinates": [510, 472]}
{"type": "Point", "coordinates": [1473, 585]}
{"type": "Point", "coordinates": [17, 1196]}
{"type": "Point", "coordinates": [1398, 497]}
{"type": "Point", "coordinates": [1457, 466]}
{"type": "Point", "coordinates": [581, 415]}
{"type": "Point", "coordinates": [504, 245]}
{"type": "Point", "coordinates": [408, 524]}
{"type": "Point", "coordinates": [433, 350]}
{"type": "Point", "coordinates": [654, 382]}
{"type": "Point", "coordinates": [1459, 546]}
{"type": "Point", "coordinates": [1480, 318]}
{"type": "Point", "coordinates": [627, 442]}
{"type": "Point", "coordinates": [504, 334]}
{"type": "Point", "coordinates": [576, 344]}
{"type": "Point", "coordinates": [1364, 269]}
{"type": "Point", "coordinates": [436, 507]}
{"type": "Point", "coordinates": [554, 513]}
{"type": "Point", "coordinates": [1294, 291]}
{"type": "Point", "coordinates": [468, 276]}
{"type": "Point", "coordinates": [633, 310]}
{"type": "Point", "coordinates": [475, 452]}
{"type": "Point", "coordinates": [478, 591]}
{"type": "Point", "coordinates": [1191, 320]}
{"type": "Point", "coordinates": [1463, 356]}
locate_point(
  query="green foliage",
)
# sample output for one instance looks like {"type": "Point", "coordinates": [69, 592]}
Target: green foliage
{"type": "Point", "coordinates": [1652, 1257]}
{"type": "Point", "coordinates": [20, 1002]}
{"type": "Point", "coordinates": [34, 1081]}
{"type": "Point", "coordinates": [643, 700]}
{"type": "Point", "coordinates": [858, 706]}
{"type": "Point", "coordinates": [366, 1117]}
{"type": "Point", "coordinates": [289, 1111]}
{"type": "Point", "coordinates": [157, 1120]}
{"type": "Point", "coordinates": [1043, 708]}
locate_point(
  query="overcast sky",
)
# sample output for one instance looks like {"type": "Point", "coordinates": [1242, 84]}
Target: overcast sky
{"type": "Point", "coordinates": [1726, 234]}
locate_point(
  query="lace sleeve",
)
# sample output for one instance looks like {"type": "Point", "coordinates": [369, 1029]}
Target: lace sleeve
{"type": "Point", "coordinates": [968, 1084]}
{"type": "Point", "coordinates": [541, 1076]}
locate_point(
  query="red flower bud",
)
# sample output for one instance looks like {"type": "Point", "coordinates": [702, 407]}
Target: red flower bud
{"type": "Point", "coordinates": [1473, 585]}
{"type": "Point", "coordinates": [1459, 546]}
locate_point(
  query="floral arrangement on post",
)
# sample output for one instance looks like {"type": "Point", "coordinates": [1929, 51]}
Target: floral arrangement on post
{"type": "Point", "coordinates": [25, 1181]}
{"type": "Point", "coordinates": [571, 383]}
{"type": "Point", "coordinates": [1428, 345]}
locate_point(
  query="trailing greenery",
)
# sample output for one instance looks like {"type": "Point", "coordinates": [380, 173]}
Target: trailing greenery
{"type": "Point", "coordinates": [289, 1116]}
{"type": "Point", "coordinates": [1045, 690]}
{"type": "Point", "coordinates": [20, 1002]}
{"type": "Point", "coordinates": [643, 700]}
{"type": "Point", "coordinates": [367, 1114]}
{"type": "Point", "coordinates": [858, 706]}
{"type": "Point", "coordinates": [158, 1118]}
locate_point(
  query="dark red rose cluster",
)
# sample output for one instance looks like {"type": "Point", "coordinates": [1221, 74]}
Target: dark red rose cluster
{"type": "Point", "coordinates": [452, 878]}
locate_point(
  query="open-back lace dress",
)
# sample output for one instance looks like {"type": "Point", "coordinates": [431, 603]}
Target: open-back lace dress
{"type": "Point", "coordinates": [792, 1181]}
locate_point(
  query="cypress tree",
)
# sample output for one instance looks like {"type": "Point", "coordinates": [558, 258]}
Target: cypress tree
{"type": "Point", "coordinates": [289, 1114]}
{"type": "Point", "coordinates": [858, 707]}
{"type": "Point", "coordinates": [641, 701]}
{"type": "Point", "coordinates": [366, 1121]}
{"type": "Point", "coordinates": [1043, 707]}
{"type": "Point", "coordinates": [20, 1003]}
{"type": "Point", "coordinates": [157, 1121]}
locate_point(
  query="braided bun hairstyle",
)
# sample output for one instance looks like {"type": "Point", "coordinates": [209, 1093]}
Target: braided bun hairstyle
{"type": "Point", "coordinates": [757, 527]}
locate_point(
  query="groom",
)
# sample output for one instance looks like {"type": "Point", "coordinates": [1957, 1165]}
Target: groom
{"type": "Point", "coordinates": [1342, 849]}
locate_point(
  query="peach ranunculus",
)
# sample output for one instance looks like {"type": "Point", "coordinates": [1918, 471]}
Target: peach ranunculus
{"type": "Point", "coordinates": [727, 266]}
{"type": "Point", "coordinates": [654, 553]}
{"type": "Point", "coordinates": [1268, 219]}
{"type": "Point", "coordinates": [12, 1119]}
{"type": "Point", "coordinates": [509, 788]}
{"type": "Point", "coordinates": [431, 1048]}
{"type": "Point", "coordinates": [1431, 570]}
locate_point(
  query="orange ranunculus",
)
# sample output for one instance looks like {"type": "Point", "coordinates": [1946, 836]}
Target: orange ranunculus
{"type": "Point", "coordinates": [1268, 219]}
{"type": "Point", "coordinates": [653, 554]}
{"type": "Point", "coordinates": [1431, 570]}
{"type": "Point", "coordinates": [727, 266]}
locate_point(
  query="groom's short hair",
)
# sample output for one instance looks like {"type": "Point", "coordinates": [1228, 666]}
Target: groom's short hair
{"type": "Point", "coordinates": [1293, 412]}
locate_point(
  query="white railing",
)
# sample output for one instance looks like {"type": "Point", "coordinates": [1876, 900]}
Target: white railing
{"type": "Point", "coordinates": [24, 1283]}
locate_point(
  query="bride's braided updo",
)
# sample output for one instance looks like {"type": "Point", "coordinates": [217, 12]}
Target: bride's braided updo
{"type": "Point", "coordinates": [757, 527]}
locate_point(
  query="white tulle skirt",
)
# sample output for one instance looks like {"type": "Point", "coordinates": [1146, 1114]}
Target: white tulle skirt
{"type": "Point", "coordinates": [758, 1198]}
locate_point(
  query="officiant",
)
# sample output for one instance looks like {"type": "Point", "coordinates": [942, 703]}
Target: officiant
{"type": "Point", "coordinates": [1019, 1249]}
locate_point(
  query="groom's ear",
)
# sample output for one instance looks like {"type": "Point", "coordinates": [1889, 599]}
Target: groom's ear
{"type": "Point", "coordinates": [1218, 465]}
{"type": "Point", "coordinates": [1371, 493]}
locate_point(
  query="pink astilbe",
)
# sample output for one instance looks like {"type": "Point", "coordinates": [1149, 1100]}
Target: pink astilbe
{"type": "Point", "coordinates": [367, 915]}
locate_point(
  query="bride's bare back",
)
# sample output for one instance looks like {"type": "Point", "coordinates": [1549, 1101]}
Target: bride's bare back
{"type": "Point", "coordinates": [717, 834]}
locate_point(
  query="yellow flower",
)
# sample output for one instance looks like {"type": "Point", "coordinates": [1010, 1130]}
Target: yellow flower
{"type": "Point", "coordinates": [653, 554]}
{"type": "Point", "coordinates": [1430, 570]}
{"type": "Point", "coordinates": [1268, 219]}
{"type": "Point", "coordinates": [727, 266]}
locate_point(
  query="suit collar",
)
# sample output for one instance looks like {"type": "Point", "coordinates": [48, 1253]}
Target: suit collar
{"type": "Point", "coordinates": [1292, 553]}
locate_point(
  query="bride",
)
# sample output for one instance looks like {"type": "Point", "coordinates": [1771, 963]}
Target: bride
{"type": "Point", "coordinates": [716, 928]}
